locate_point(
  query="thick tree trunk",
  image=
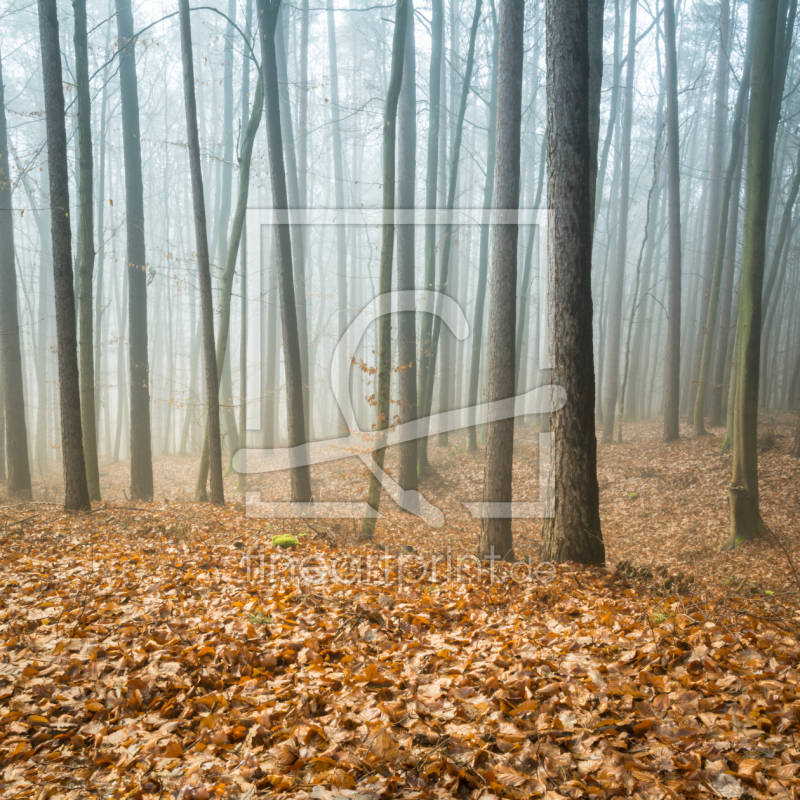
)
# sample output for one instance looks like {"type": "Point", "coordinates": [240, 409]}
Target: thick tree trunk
{"type": "Point", "coordinates": [383, 408]}
{"type": "Point", "coordinates": [617, 286]}
{"type": "Point", "coordinates": [19, 473]}
{"type": "Point", "coordinates": [495, 540]}
{"type": "Point", "coordinates": [76, 491]}
{"type": "Point", "coordinates": [300, 475]}
{"type": "Point", "coordinates": [744, 501]}
{"type": "Point", "coordinates": [672, 384]}
{"type": "Point", "coordinates": [406, 321]}
{"type": "Point", "coordinates": [87, 253]}
{"type": "Point", "coordinates": [573, 532]}
{"type": "Point", "coordinates": [214, 443]}
{"type": "Point", "coordinates": [136, 260]}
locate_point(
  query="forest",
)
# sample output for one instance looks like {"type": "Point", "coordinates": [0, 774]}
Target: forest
{"type": "Point", "coordinates": [399, 400]}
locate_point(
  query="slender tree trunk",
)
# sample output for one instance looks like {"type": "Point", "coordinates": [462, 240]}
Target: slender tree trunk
{"type": "Point", "coordinates": [718, 183]}
{"type": "Point", "coordinates": [431, 187]}
{"type": "Point", "coordinates": [573, 532]}
{"type": "Point", "coordinates": [495, 540]}
{"type": "Point", "coordinates": [618, 276]}
{"type": "Point", "coordinates": [300, 475]}
{"type": "Point", "coordinates": [722, 364]}
{"type": "Point", "coordinates": [228, 274]}
{"type": "Point", "coordinates": [297, 230]}
{"type": "Point", "coordinates": [19, 473]}
{"type": "Point", "coordinates": [612, 116]}
{"type": "Point", "coordinates": [734, 165]}
{"type": "Point", "coordinates": [673, 379]}
{"type": "Point", "coordinates": [98, 300]}
{"type": "Point", "coordinates": [76, 491]}
{"type": "Point", "coordinates": [743, 495]}
{"type": "Point", "coordinates": [406, 322]}
{"type": "Point", "coordinates": [86, 247]}
{"type": "Point", "coordinates": [383, 408]}
{"type": "Point", "coordinates": [136, 260]}
{"type": "Point", "coordinates": [203, 262]}
{"type": "Point", "coordinates": [635, 300]}
{"type": "Point", "coordinates": [596, 13]}
{"type": "Point", "coordinates": [429, 365]}
{"type": "Point", "coordinates": [483, 249]}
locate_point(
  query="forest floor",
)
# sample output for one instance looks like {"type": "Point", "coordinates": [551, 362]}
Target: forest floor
{"type": "Point", "coordinates": [167, 649]}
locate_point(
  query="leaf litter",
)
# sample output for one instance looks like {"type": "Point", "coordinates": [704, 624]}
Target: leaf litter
{"type": "Point", "coordinates": [168, 650]}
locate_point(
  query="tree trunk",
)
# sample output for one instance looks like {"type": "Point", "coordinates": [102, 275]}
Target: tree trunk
{"type": "Point", "coordinates": [718, 392]}
{"type": "Point", "coordinates": [387, 251]}
{"type": "Point", "coordinates": [743, 496]}
{"type": "Point", "coordinates": [87, 253]}
{"type": "Point", "coordinates": [723, 213]}
{"type": "Point", "coordinates": [19, 473]}
{"type": "Point", "coordinates": [300, 475]}
{"type": "Point", "coordinates": [673, 376]}
{"type": "Point", "coordinates": [612, 116]}
{"type": "Point", "coordinates": [428, 367]}
{"type": "Point", "coordinates": [483, 249]}
{"type": "Point", "coordinates": [596, 13]}
{"type": "Point", "coordinates": [406, 321]}
{"type": "Point", "coordinates": [214, 443]}
{"type": "Point", "coordinates": [76, 491]}
{"type": "Point", "coordinates": [136, 260]}
{"type": "Point", "coordinates": [297, 230]}
{"type": "Point", "coordinates": [573, 532]}
{"type": "Point", "coordinates": [617, 286]}
{"type": "Point", "coordinates": [431, 188]}
{"type": "Point", "coordinates": [710, 291]}
{"type": "Point", "coordinates": [495, 540]}
{"type": "Point", "coordinates": [228, 274]}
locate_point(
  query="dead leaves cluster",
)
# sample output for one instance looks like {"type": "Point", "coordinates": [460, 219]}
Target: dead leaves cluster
{"type": "Point", "coordinates": [142, 656]}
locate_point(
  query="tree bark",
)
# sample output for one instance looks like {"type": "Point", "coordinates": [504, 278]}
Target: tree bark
{"type": "Point", "coordinates": [483, 249]}
{"type": "Point", "coordinates": [406, 321]}
{"type": "Point", "coordinates": [87, 253]}
{"type": "Point", "coordinates": [76, 491]}
{"type": "Point", "coordinates": [431, 189]}
{"type": "Point", "coordinates": [19, 472]}
{"type": "Point", "coordinates": [229, 272]}
{"type": "Point", "coordinates": [214, 443]}
{"type": "Point", "coordinates": [300, 475]}
{"type": "Point", "coordinates": [387, 251]}
{"type": "Point", "coordinates": [596, 13]}
{"type": "Point", "coordinates": [707, 295]}
{"type": "Point", "coordinates": [428, 367]}
{"type": "Point", "coordinates": [723, 218]}
{"type": "Point", "coordinates": [495, 540]}
{"type": "Point", "coordinates": [618, 276]}
{"type": "Point", "coordinates": [573, 532]}
{"type": "Point", "coordinates": [673, 376]}
{"type": "Point", "coordinates": [141, 448]}
{"type": "Point", "coordinates": [743, 495]}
